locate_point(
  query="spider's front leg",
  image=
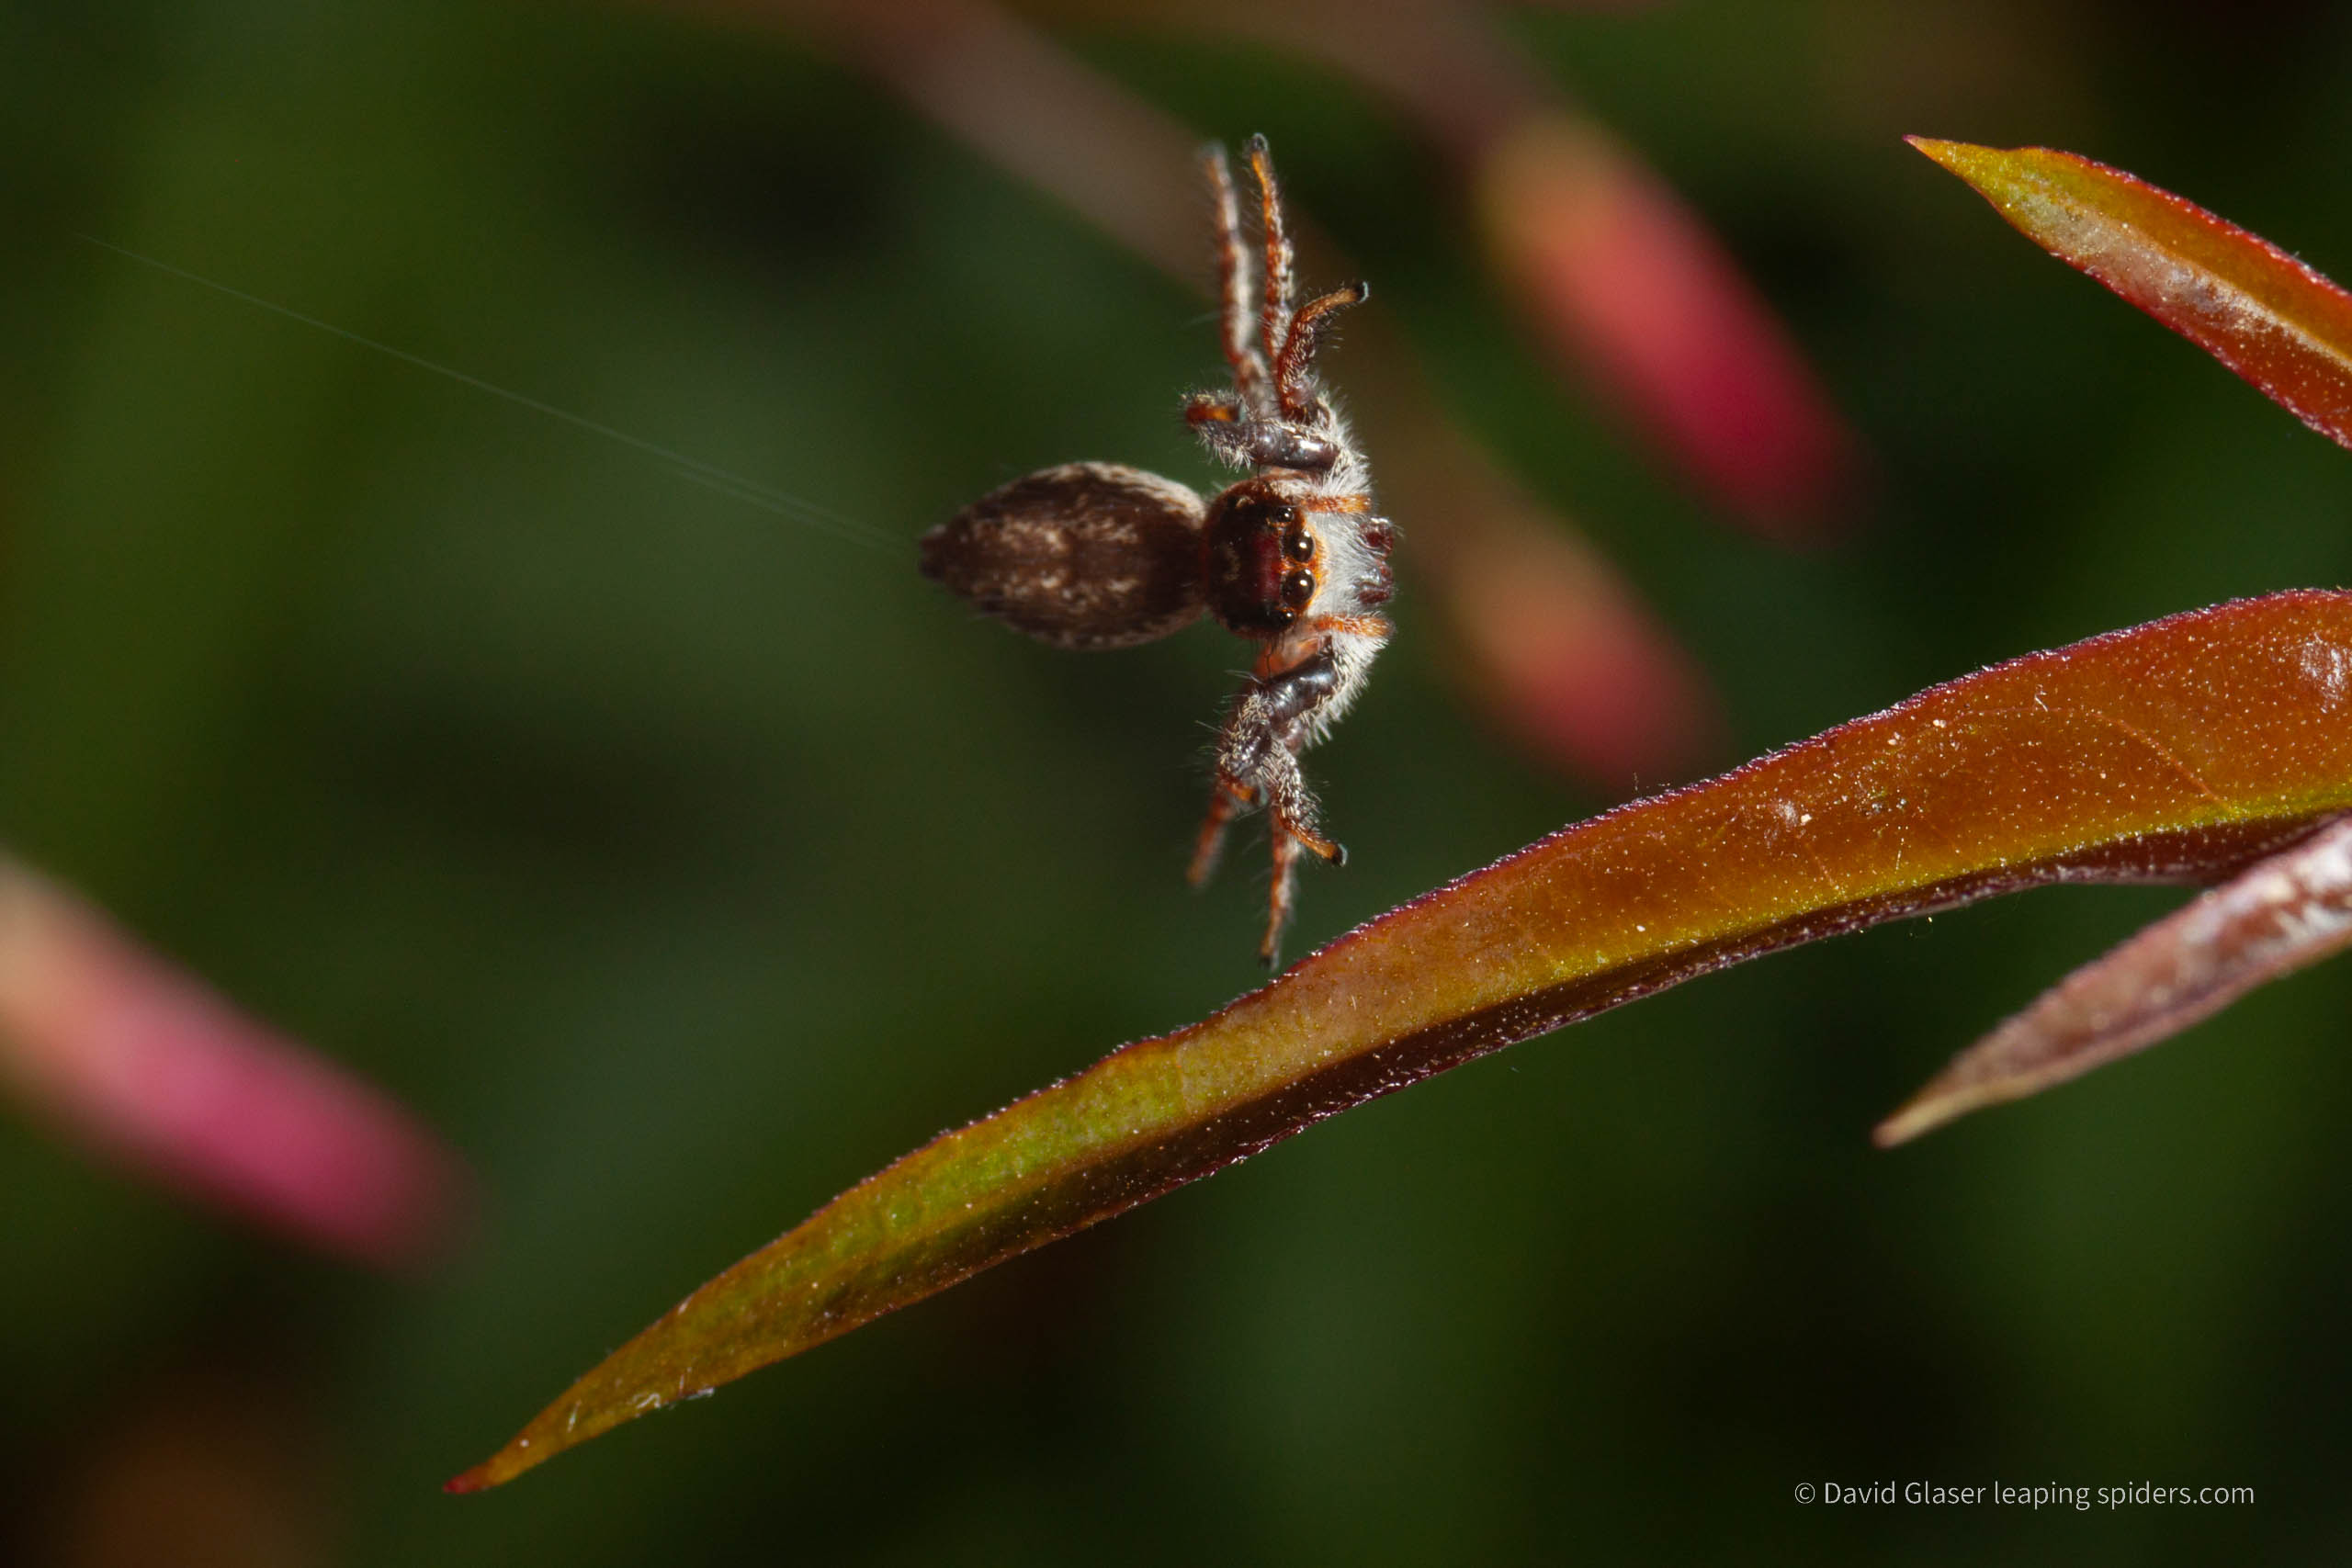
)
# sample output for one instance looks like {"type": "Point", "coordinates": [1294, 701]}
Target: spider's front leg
{"type": "Point", "coordinates": [1242, 442]}
{"type": "Point", "coordinates": [1256, 763]}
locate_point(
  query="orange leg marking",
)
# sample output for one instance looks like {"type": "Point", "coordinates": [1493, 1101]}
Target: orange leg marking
{"type": "Point", "coordinates": [1289, 838]}
{"type": "Point", "coordinates": [1362, 625]}
{"type": "Point", "coordinates": [1224, 801]}
{"type": "Point", "coordinates": [1298, 346]}
{"type": "Point", "coordinates": [1324, 849]}
{"type": "Point", "coordinates": [1357, 503]}
{"type": "Point", "coordinates": [1232, 287]}
{"type": "Point", "coordinates": [1271, 319]}
{"type": "Point", "coordinates": [1279, 904]}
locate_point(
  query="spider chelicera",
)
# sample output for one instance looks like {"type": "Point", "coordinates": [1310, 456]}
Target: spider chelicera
{"type": "Point", "coordinates": [1097, 555]}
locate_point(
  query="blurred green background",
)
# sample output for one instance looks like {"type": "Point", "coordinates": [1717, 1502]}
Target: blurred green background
{"type": "Point", "coordinates": [683, 863]}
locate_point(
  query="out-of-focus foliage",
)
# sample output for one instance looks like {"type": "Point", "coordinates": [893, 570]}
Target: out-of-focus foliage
{"type": "Point", "coordinates": [146, 1067]}
{"type": "Point", "coordinates": [682, 864]}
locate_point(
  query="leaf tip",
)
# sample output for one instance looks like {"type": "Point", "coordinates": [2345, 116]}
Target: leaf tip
{"type": "Point", "coordinates": [496, 1471]}
{"type": "Point", "coordinates": [1923, 1113]}
{"type": "Point", "coordinates": [1975, 1080]}
{"type": "Point", "coordinates": [1957, 156]}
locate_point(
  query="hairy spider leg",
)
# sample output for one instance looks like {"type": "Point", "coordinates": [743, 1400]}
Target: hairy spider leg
{"type": "Point", "coordinates": [1285, 895]}
{"type": "Point", "coordinates": [1247, 442]}
{"type": "Point", "coordinates": [1287, 804]}
{"type": "Point", "coordinates": [1257, 761]}
{"type": "Point", "coordinates": [1273, 317]}
{"type": "Point", "coordinates": [1225, 801]}
{"type": "Point", "coordinates": [1295, 362]}
{"type": "Point", "coordinates": [1326, 849]}
{"type": "Point", "coordinates": [1252, 379]}
{"type": "Point", "coordinates": [1212, 408]}
{"type": "Point", "coordinates": [1357, 626]}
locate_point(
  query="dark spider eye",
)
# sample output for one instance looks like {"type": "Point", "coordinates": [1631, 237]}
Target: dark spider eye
{"type": "Point", "coordinates": [1251, 575]}
{"type": "Point", "coordinates": [1299, 546]}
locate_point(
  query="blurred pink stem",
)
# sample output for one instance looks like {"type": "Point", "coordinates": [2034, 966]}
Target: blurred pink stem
{"type": "Point", "coordinates": [1617, 268]}
{"type": "Point", "coordinates": [1562, 655]}
{"type": "Point", "coordinates": [143, 1062]}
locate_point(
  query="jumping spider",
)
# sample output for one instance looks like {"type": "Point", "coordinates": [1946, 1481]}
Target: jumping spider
{"type": "Point", "coordinates": [1096, 555]}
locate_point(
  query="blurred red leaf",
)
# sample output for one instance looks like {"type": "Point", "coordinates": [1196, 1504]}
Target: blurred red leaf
{"type": "Point", "coordinates": [2174, 752]}
{"type": "Point", "coordinates": [1561, 654]}
{"type": "Point", "coordinates": [2276, 322]}
{"type": "Point", "coordinates": [141, 1061]}
{"type": "Point", "coordinates": [1623, 273]}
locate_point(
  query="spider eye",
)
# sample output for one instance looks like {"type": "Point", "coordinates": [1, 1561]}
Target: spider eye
{"type": "Point", "coordinates": [1251, 573]}
{"type": "Point", "coordinates": [1300, 546]}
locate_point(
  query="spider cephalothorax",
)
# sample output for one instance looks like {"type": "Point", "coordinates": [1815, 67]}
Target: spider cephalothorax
{"type": "Point", "coordinates": [1094, 554]}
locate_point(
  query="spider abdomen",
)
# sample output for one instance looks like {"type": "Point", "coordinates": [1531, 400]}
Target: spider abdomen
{"type": "Point", "coordinates": [1083, 555]}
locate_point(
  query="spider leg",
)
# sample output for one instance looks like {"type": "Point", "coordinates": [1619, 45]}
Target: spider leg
{"type": "Point", "coordinates": [1270, 946]}
{"type": "Point", "coordinates": [1251, 378]}
{"type": "Point", "coordinates": [1293, 831]}
{"type": "Point", "coordinates": [1374, 626]}
{"type": "Point", "coordinates": [1295, 361]}
{"type": "Point", "coordinates": [1273, 316]}
{"type": "Point", "coordinates": [1257, 763]}
{"type": "Point", "coordinates": [1224, 803]}
{"type": "Point", "coordinates": [1244, 442]}
{"type": "Point", "coordinates": [1305, 836]}
{"type": "Point", "coordinates": [1221, 422]}
{"type": "Point", "coordinates": [1224, 427]}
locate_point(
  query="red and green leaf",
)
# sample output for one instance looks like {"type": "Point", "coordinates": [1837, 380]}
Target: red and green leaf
{"type": "Point", "coordinates": [2180, 750]}
{"type": "Point", "coordinates": [2282, 914]}
{"type": "Point", "coordinates": [2276, 322]}
{"type": "Point", "coordinates": [2288, 330]}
